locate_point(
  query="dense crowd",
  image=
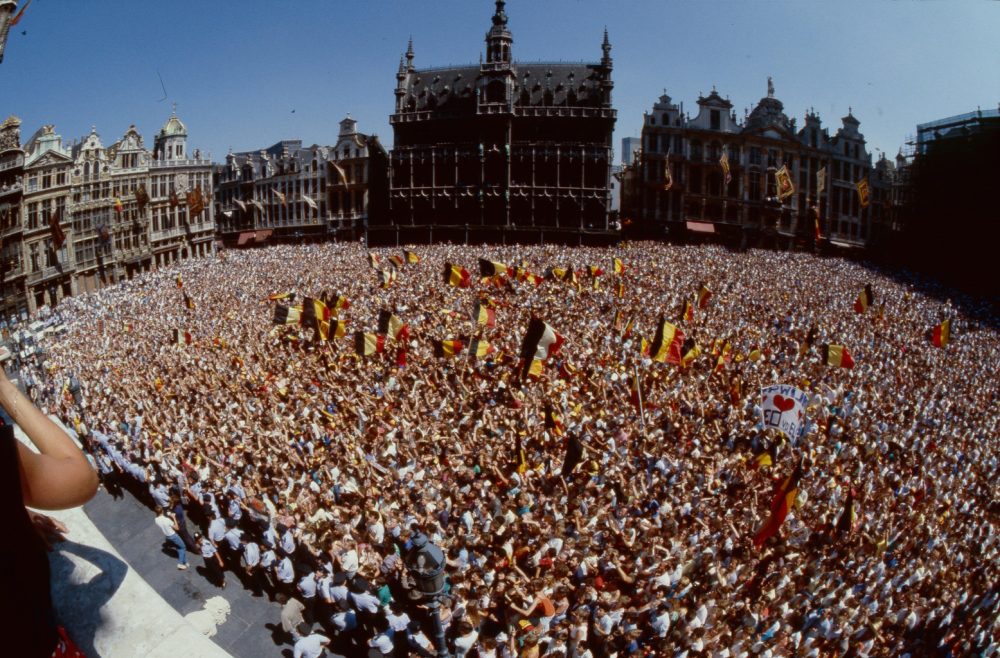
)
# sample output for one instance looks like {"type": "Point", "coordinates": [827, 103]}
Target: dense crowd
{"type": "Point", "coordinates": [309, 468]}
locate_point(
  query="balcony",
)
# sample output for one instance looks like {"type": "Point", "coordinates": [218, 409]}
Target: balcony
{"type": "Point", "coordinates": [6, 190]}
{"type": "Point", "coordinates": [47, 273]}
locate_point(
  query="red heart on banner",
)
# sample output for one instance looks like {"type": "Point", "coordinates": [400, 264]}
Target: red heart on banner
{"type": "Point", "coordinates": [783, 403]}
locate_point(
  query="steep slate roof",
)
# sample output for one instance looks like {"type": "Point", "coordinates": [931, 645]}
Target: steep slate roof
{"type": "Point", "coordinates": [455, 88]}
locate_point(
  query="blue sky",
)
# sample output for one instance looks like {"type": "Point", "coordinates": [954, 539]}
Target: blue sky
{"type": "Point", "coordinates": [237, 68]}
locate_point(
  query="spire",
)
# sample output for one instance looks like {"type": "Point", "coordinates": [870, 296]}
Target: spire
{"type": "Point", "coordinates": [409, 55]}
{"type": "Point", "coordinates": [606, 49]}
{"type": "Point", "coordinates": [499, 38]}
{"type": "Point", "coordinates": [401, 73]}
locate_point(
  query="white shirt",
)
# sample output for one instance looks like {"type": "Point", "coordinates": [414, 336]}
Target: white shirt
{"type": "Point", "coordinates": [310, 646]}
{"type": "Point", "coordinates": [166, 525]}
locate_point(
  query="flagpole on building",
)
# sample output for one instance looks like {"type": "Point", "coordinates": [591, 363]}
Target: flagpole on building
{"type": "Point", "coordinates": [638, 391]}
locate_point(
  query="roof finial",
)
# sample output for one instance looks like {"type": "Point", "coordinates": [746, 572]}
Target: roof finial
{"type": "Point", "coordinates": [770, 87]}
{"type": "Point", "coordinates": [174, 110]}
{"type": "Point", "coordinates": [606, 49]}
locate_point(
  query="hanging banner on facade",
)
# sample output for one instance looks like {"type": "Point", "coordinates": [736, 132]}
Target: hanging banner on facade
{"type": "Point", "coordinates": [863, 197]}
{"type": "Point", "coordinates": [783, 408]}
{"type": "Point", "coordinates": [784, 181]}
{"type": "Point", "coordinates": [821, 181]}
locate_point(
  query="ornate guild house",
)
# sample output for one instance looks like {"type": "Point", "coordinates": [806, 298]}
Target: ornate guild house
{"type": "Point", "coordinates": [501, 151]}
{"type": "Point", "coordinates": [760, 180]}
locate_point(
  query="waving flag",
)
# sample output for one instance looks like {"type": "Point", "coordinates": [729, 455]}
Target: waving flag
{"type": "Point", "coordinates": [666, 346]}
{"type": "Point", "coordinates": [411, 257]}
{"type": "Point", "coordinates": [941, 334]}
{"type": "Point", "coordinates": [366, 344]}
{"type": "Point", "coordinates": [310, 202]}
{"type": "Point", "coordinates": [865, 299]}
{"type": "Point", "coordinates": [540, 342]}
{"type": "Point", "coordinates": [195, 202]}
{"type": "Point", "coordinates": [457, 276]}
{"type": "Point", "coordinates": [287, 314]}
{"type": "Point", "coordinates": [617, 266]}
{"type": "Point", "coordinates": [388, 277]}
{"type": "Point", "coordinates": [492, 268]}
{"type": "Point", "coordinates": [704, 295]}
{"type": "Point", "coordinates": [188, 302]}
{"type": "Point", "coordinates": [280, 196]}
{"type": "Point", "coordinates": [687, 311]}
{"type": "Point", "coordinates": [838, 357]}
{"type": "Point", "coordinates": [781, 505]}
{"type": "Point", "coordinates": [480, 348]}
{"type": "Point", "coordinates": [483, 315]}
{"type": "Point", "coordinates": [689, 352]}
{"type": "Point", "coordinates": [447, 349]}
{"type": "Point", "coordinates": [821, 181]}
{"type": "Point", "coordinates": [182, 337]}
{"type": "Point", "coordinates": [553, 421]}
{"type": "Point", "coordinates": [390, 325]}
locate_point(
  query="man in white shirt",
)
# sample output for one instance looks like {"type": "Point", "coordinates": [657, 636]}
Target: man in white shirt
{"type": "Point", "coordinates": [311, 646]}
{"type": "Point", "coordinates": [169, 528]}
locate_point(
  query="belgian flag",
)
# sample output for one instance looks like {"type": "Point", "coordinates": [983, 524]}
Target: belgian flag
{"type": "Point", "coordinates": [687, 311]}
{"type": "Point", "coordinates": [689, 352]}
{"type": "Point", "coordinates": [621, 290]}
{"type": "Point", "coordinates": [366, 344]}
{"type": "Point", "coordinates": [864, 300]}
{"type": "Point", "coordinates": [489, 268]}
{"type": "Point", "coordinates": [666, 346]}
{"type": "Point", "coordinates": [553, 421]}
{"type": "Point", "coordinates": [195, 202]}
{"type": "Point", "coordinates": [483, 315]}
{"type": "Point", "coordinates": [182, 337]}
{"type": "Point", "coordinates": [540, 342]}
{"type": "Point", "coordinates": [374, 260]}
{"type": "Point", "coordinates": [781, 504]}
{"type": "Point", "coordinates": [287, 314]}
{"type": "Point", "coordinates": [457, 276]}
{"type": "Point", "coordinates": [724, 357]}
{"type": "Point", "coordinates": [480, 348]}
{"type": "Point", "coordinates": [595, 271]}
{"type": "Point", "coordinates": [941, 334]}
{"type": "Point", "coordinates": [411, 257]}
{"type": "Point", "coordinates": [617, 266]}
{"type": "Point", "coordinates": [447, 349]}
{"type": "Point", "coordinates": [179, 281]}
{"type": "Point", "coordinates": [704, 294]}
{"type": "Point", "coordinates": [397, 261]}
{"type": "Point", "coordinates": [188, 302]}
{"type": "Point", "coordinates": [390, 325]}
{"type": "Point", "coordinates": [388, 277]}
{"type": "Point", "coordinates": [338, 328]}
{"type": "Point", "coordinates": [837, 356]}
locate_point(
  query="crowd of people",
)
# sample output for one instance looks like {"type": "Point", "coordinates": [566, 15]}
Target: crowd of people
{"type": "Point", "coordinates": [605, 506]}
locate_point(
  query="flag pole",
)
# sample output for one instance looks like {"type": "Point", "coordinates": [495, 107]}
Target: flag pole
{"type": "Point", "coordinates": [638, 391]}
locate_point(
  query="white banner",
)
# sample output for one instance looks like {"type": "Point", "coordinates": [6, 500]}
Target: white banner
{"type": "Point", "coordinates": [784, 409]}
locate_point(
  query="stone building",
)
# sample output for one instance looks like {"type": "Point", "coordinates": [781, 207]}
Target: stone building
{"type": "Point", "coordinates": [123, 209]}
{"type": "Point", "coordinates": [693, 200]}
{"type": "Point", "coordinates": [502, 150]}
{"type": "Point", "coordinates": [12, 272]}
{"type": "Point", "coordinates": [291, 192]}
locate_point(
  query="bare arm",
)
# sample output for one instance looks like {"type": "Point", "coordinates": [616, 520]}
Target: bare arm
{"type": "Point", "coordinates": [58, 476]}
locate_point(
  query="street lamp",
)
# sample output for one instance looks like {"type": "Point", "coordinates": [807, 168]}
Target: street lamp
{"type": "Point", "coordinates": [425, 562]}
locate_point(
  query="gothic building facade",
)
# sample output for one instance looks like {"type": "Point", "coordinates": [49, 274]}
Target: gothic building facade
{"type": "Point", "coordinates": [291, 192]}
{"type": "Point", "coordinates": [679, 187]}
{"type": "Point", "coordinates": [501, 150]}
{"type": "Point", "coordinates": [110, 228]}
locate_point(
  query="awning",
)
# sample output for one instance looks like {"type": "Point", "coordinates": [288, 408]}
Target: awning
{"type": "Point", "coordinates": [245, 237]}
{"type": "Point", "coordinates": [701, 227]}
{"type": "Point", "coordinates": [262, 235]}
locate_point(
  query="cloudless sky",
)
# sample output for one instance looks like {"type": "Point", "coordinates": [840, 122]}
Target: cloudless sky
{"type": "Point", "coordinates": [238, 68]}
